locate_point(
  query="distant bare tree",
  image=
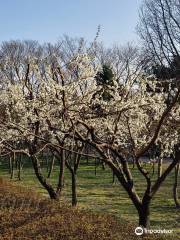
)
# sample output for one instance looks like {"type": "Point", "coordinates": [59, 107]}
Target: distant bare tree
{"type": "Point", "coordinates": [159, 27]}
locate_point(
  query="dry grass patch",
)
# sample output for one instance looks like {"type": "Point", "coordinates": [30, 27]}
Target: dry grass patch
{"type": "Point", "coordinates": [29, 216]}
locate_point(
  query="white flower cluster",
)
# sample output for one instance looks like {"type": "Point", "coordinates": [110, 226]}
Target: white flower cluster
{"type": "Point", "coordinates": [128, 120]}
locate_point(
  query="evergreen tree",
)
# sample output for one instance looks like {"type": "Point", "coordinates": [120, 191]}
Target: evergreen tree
{"type": "Point", "coordinates": [105, 79]}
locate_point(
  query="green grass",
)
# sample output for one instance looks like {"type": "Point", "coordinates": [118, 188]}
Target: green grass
{"type": "Point", "coordinates": [97, 193]}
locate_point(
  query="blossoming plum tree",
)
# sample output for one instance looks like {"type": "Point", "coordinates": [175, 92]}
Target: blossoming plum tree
{"type": "Point", "coordinates": [56, 109]}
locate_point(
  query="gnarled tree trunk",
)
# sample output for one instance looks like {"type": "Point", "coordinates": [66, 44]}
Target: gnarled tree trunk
{"type": "Point", "coordinates": [42, 180]}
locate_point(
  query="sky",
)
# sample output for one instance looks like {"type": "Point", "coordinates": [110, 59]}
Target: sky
{"type": "Point", "coordinates": [48, 20]}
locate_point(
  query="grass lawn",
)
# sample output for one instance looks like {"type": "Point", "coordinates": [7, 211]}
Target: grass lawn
{"type": "Point", "coordinates": [97, 193]}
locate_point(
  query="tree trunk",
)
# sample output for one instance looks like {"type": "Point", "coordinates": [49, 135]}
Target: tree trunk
{"type": "Point", "coordinates": [42, 180]}
{"type": "Point", "coordinates": [19, 167]}
{"type": "Point", "coordinates": [95, 166]}
{"type": "Point", "coordinates": [144, 219]}
{"type": "Point", "coordinates": [51, 167]}
{"type": "Point", "coordinates": [175, 191]}
{"type": "Point", "coordinates": [103, 166]}
{"type": "Point", "coordinates": [12, 168]}
{"type": "Point", "coordinates": [74, 192]}
{"type": "Point", "coordinates": [144, 212]}
{"type": "Point", "coordinates": [53, 195]}
{"type": "Point", "coordinates": [61, 172]}
{"type": "Point", "coordinates": [159, 167]}
{"type": "Point", "coordinates": [10, 164]}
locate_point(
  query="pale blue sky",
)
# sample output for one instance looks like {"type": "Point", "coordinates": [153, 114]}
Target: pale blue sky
{"type": "Point", "coordinates": [47, 20]}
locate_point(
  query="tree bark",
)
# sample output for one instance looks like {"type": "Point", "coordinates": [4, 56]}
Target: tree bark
{"type": "Point", "coordinates": [19, 167]}
{"type": "Point", "coordinates": [10, 164]}
{"type": "Point", "coordinates": [12, 170]}
{"type": "Point", "coordinates": [144, 217]}
{"type": "Point", "coordinates": [103, 166]}
{"type": "Point", "coordinates": [61, 159]}
{"type": "Point", "coordinates": [42, 180]}
{"type": "Point", "coordinates": [143, 207]}
{"type": "Point", "coordinates": [73, 165]}
{"type": "Point", "coordinates": [144, 212]}
{"type": "Point", "coordinates": [159, 167]}
{"type": "Point", "coordinates": [51, 167]}
{"type": "Point", "coordinates": [74, 192]}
